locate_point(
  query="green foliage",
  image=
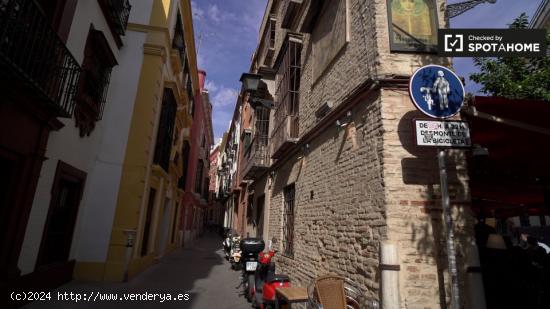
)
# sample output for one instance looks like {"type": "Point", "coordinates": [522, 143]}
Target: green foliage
{"type": "Point", "coordinates": [515, 77]}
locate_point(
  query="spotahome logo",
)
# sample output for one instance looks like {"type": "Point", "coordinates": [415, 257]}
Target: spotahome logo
{"type": "Point", "coordinates": [492, 42]}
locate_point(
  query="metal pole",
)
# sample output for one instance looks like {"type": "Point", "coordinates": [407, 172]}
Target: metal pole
{"type": "Point", "coordinates": [451, 254]}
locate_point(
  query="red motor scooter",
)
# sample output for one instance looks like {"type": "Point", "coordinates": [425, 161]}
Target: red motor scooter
{"type": "Point", "coordinates": [267, 280]}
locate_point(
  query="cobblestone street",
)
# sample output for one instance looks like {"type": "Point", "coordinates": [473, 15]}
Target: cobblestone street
{"type": "Point", "coordinates": [200, 271]}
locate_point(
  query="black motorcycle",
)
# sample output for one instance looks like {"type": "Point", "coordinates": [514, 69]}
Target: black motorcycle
{"type": "Point", "coordinates": [250, 247]}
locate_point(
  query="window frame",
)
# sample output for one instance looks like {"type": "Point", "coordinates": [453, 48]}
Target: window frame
{"type": "Point", "coordinates": [289, 218]}
{"type": "Point", "coordinates": [165, 130]}
{"type": "Point", "coordinates": [97, 65]}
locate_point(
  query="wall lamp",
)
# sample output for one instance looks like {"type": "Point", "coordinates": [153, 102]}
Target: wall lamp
{"type": "Point", "coordinates": [305, 151]}
{"type": "Point", "coordinates": [344, 121]}
{"type": "Point", "coordinates": [251, 82]}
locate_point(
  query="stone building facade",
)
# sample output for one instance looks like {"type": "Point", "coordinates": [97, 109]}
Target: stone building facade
{"type": "Point", "coordinates": [345, 175]}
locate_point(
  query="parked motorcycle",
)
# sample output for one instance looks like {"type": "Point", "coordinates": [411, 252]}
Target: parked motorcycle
{"type": "Point", "coordinates": [227, 244]}
{"type": "Point", "coordinates": [266, 280]}
{"type": "Point", "coordinates": [250, 247]}
{"type": "Point", "coordinates": [235, 254]}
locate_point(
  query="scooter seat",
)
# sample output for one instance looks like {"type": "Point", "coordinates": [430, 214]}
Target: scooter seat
{"type": "Point", "coordinates": [278, 278]}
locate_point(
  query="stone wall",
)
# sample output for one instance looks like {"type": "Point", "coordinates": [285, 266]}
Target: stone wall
{"type": "Point", "coordinates": [367, 182]}
{"type": "Point", "coordinates": [413, 206]}
{"type": "Point", "coordinates": [339, 206]}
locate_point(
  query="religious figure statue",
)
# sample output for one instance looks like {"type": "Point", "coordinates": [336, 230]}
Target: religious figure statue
{"type": "Point", "coordinates": [412, 22]}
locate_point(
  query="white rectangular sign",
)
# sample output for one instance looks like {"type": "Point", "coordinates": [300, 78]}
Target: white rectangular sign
{"type": "Point", "coordinates": [442, 133]}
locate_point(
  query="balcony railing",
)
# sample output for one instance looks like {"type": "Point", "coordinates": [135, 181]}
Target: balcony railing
{"type": "Point", "coordinates": [30, 50]}
{"type": "Point", "coordinates": [285, 135]}
{"type": "Point", "coordinates": [256, 157]}
{"type": "Point", "coordinates": [118, 13]}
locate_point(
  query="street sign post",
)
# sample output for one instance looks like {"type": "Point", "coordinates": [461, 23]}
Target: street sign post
{"type": "Point", "coordinates": [438, 93]}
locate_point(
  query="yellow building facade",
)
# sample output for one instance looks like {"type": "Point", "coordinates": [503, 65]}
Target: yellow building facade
{"type": "Point", "coordinates": [146, 223]}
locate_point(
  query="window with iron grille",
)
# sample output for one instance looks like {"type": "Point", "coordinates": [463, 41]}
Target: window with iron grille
{"type": "Point", "coordinates": [261, 128]}
{"type": "Point", "coordinates": [287, 92]}
{"type": "Point", "coordinates": [288, 78]}
{"type": "Point", "coordinates": [185, 159]}
{"type": "Point", "coordinates": [190, 94]}
{"type": "Point", "coordinates": [288, 221]}
{"type": "Point", "coordinates": [117, 13]}
{"type": "Point", "coordinates": [94, 81]}
{"type": "Point", "coordinates": [269, 40]}
{"type": "Point", "coordinates": [272, 24]}
{"type": "Point", "coordinates": [165, 131]}
{"type": "Point", "coordinates": [179, 38]}
{"type": "Point", "coordinates": [198, 177]}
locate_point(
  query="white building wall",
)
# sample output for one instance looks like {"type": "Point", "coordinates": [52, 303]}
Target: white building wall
{"type": "Point", "coordinates": [141, 11]}
{"type": "Point", "coordinates": [98, 206]}
{"type": "Point", "coordinates": [99, 155]}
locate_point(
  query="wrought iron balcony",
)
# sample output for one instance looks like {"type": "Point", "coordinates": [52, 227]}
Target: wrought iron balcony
{"type": "Point", "coordinates": [256, 157]}
{"type": "Point", "coordinates": [118, 12]}
{"type": "Point", "coordinates": [284, 135]}
{"type": "Point", "coordinates": [32, 52]}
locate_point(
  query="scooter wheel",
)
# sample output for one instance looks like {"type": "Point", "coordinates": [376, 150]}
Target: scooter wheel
{"type": "Point", "coordinates": [251, 288]}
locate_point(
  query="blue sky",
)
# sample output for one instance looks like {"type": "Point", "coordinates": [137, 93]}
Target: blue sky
{"type": "Point", "coordinates": [486, 15]}
{"type": "Point", "coordinates": [227, 33]}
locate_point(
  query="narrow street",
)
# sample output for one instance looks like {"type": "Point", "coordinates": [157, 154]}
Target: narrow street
{"type": "Point", "coordinates": [200, 271]}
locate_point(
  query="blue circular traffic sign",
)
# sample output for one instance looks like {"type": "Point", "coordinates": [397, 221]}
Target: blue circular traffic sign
{"type": "Point", "coordinates": [436, 91]}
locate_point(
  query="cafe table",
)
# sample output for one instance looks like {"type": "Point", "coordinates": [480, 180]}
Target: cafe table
{"type": "Point", "coordinates": [290, 295]}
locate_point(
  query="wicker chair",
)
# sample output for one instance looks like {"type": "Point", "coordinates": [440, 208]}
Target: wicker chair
{"type": "Point", "coordinates": [326, 293]}
{"type": "Point", "coordinates": [329, 290]}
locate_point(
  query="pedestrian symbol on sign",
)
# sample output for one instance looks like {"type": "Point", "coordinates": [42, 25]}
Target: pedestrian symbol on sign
{"type": "Point", "coordinates": [436, 91]}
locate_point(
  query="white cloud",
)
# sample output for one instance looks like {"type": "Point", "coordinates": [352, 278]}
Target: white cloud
{"type": "Point", "coordinates": [224, 96]}
{"type": "Point", "coordinates": [211, 86]}
{"type": "Point", "coordinates": [198, 13]}
{"type": "Point", "coordinates": [214, 13]}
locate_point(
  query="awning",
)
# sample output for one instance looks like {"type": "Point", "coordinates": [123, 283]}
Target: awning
{"type": "Point", "coordinates": [516, 174]}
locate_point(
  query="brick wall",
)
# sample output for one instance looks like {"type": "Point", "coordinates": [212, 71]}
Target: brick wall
{"type": "Point", "coordinates": [339, 212]}
{"type": "Point", "coordinates": [368, 182]}
{"type": "Point", "coordinates": [413, 205]}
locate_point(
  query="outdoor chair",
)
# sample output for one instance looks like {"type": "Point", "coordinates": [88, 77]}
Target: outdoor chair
{"type": "Point", "coordinates": [329, 290]}
{"type": "Point", "coordinates": [335, 292]}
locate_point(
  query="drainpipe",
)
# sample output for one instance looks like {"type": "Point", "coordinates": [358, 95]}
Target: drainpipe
{"type": "Point", "coordinates": [389, 268]}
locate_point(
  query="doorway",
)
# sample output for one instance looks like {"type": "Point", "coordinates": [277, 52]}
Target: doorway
{"type": "Point", "coordinates": [164, 228]}
{"type": "Point", "coordinates": [58, 232]}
